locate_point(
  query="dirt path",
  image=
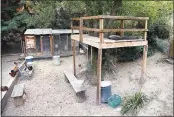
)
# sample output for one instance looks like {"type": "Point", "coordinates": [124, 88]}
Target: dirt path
{"type": "Point", "coordinates": [49, 94]}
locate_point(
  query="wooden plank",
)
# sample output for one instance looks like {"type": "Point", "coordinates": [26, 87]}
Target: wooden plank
{"type": "Point", "coordinates": [81, 30]}
{"type": "Point", "coordinates": [99, 65]}
{"type": "Point", "coordinates": [123, 44]}
{"type": "Point", "coordinates": [91, 29]}
{"type": "Point", "coordinates": [74, 59]}
{"type": "Point", "coordinates": [18, 90]}
{"type": "Point", "coordinates": [145, 33]}
{"type": "Point", "coordinates": [97, 40]}
{"type": "Point", "coordinates": [125, 30]}
{"type": "Point", "coordinates": [124, 17]}
{"type": "Point", "coordinates": [75, 18]}
{"type": "Point", "coordinates": [101, 35]}
{"type": "Point", "coordinates": [122, 26]}
{"type": "Point", "coordinates": [91, 17]}
{"type": "Point", "coordinates": [145, 49]}
{"type": "Point", "coordinates": [76, 84]}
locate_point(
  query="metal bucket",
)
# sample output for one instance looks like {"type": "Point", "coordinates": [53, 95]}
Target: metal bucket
{"type": "Point", "coordinates": [105, 91]}
{"type": "Point", "coordinates": [56, 60]}
{"type": "Point", "coordinates": [29, 59]}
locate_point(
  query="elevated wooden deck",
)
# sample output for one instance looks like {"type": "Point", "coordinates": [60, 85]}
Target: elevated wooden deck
{"type": "Point", "coordinates": [104, 43]}
{"type": "Point", "coordinates": [108, 43]}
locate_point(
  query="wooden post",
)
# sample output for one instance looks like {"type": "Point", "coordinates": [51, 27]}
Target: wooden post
{"type": "Point", "coordinates": [22, 46]}
{"type": "Point", "coordinates": [74, 59]}
{"type": "Point", "coordinates": [99, 65]}
{"type": "Point", "coordinates": [25, 46]}
{"type": "Point", "coordinates": [91, 55]}
{"type": "Point", "coordinates": [71, 26]}
{"type": "Point", "coordinates": [145, 49]}
{"type": "Point", "coordinates": [81, 29]}
{"type": "Point", "coordinates": [101, 29]}
{"type": "Point", "coordinates": [51, 45]}
{"type": "Point", "coordinates": [41, 47]}
{"type": "Point", "coordinates": [122, 26]}
{"type": "Point", "coordinates": [145, 32]}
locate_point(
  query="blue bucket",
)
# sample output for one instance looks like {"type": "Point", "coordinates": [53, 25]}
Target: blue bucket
{"type": "Point", "coordinates": [105, 91]}
{"type": "Point", "coordinates": [29, 59]}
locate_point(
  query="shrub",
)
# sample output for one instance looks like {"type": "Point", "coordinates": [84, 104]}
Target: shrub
{"type": "Point", "coordinates": [132, 104]}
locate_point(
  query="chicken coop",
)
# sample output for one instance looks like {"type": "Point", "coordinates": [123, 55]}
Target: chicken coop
{"type": "Point", "coordinates": [48, 42]}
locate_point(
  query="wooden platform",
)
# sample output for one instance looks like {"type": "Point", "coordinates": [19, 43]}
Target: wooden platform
{"type": "Point", "coordinates": [108, 43]}
{"type": "Point", "coordinates": [104, 43]}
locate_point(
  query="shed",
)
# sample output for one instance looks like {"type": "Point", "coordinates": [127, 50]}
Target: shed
{"type": "Point", "coordinates": [48, 42]}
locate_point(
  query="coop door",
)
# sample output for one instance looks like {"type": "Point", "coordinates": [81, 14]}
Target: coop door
{"type": "Point", "coordinates": [57, 44]}
{"type": "Point", "coordinates": [64, 43]}
{"type": "Point", "coordinates": [46, 45]}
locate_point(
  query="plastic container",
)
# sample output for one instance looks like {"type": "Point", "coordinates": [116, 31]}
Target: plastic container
{"type": "Point", "coordinates": [105, 91]}
{"type": "Point", "coordinates": [56, 60]}
{"type": "Point", "coordinates": [114, 101]}
{"type": "Point", "coordinates": [29, 64]}
{"type": "Point", "coordinates": [29, 59]}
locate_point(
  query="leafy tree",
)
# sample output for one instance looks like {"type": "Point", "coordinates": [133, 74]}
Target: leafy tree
{"type": "Point", "coordinates": [15, 23]}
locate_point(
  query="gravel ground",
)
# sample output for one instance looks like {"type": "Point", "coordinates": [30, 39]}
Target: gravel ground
{"type": "Point", "coordinates": [49, 94]}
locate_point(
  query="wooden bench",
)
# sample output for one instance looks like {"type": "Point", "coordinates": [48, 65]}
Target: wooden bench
{"type": "Point", "coordinates": [77, 86]}
{"type": "Point", "coordinates": [18, 94]}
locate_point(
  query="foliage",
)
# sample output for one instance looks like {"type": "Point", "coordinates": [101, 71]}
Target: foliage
{"type": "Point", "coordinates": [132, 104]}
{"type": "Point", "coordinates": [13, 21]}
{"type": "Point", "coordinates": [44, 15]}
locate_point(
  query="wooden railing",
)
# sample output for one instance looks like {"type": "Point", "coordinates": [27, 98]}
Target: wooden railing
{"type": "Point", "coordinates": [101, 29]}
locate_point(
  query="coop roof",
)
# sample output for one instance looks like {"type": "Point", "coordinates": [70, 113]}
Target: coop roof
{"type": "Point", "coordinates": [64, 31]}
{"type": "Point", "coordinates": [38, 31]}
{"type": "Point", "coordinates": [49, 31]}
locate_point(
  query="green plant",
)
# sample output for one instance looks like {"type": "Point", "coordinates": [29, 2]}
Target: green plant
{"type": "Point", "coordinates": [132, 104]}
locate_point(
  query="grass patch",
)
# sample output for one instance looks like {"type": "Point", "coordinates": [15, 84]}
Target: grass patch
{"type": "Point", "coordinates": [132, 104]}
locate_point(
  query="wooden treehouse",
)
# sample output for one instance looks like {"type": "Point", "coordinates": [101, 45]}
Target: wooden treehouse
{"type": "Point", "coordinates": [101, 42]}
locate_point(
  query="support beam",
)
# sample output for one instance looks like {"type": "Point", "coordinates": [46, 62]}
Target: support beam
{"type": "Point", "coordinates": [91, 55]}
{"type": "Point", "coordinates": [74, 59]}
{"type": "Point", "coordinates": [51, 45]}
{"type": "Point", "coordinates": [145, 49]}
{"type": "Point", "coordinates": [99, 65]}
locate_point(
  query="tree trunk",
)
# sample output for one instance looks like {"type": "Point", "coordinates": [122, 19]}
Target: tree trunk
{"type": "Point", "coordinates": [117, 4]}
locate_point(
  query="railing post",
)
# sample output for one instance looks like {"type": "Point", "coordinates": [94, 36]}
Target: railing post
{"type": "Point", "coordinates": [101, 35]}
{"type": "Point", "coordinates": [81, 29]}
{"type": "Point", "coordinates": [145, 32]}
{"type": "Point", "coordinates": [122, 27]}
{"type": "Point", "coordinates": [72, 26]}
